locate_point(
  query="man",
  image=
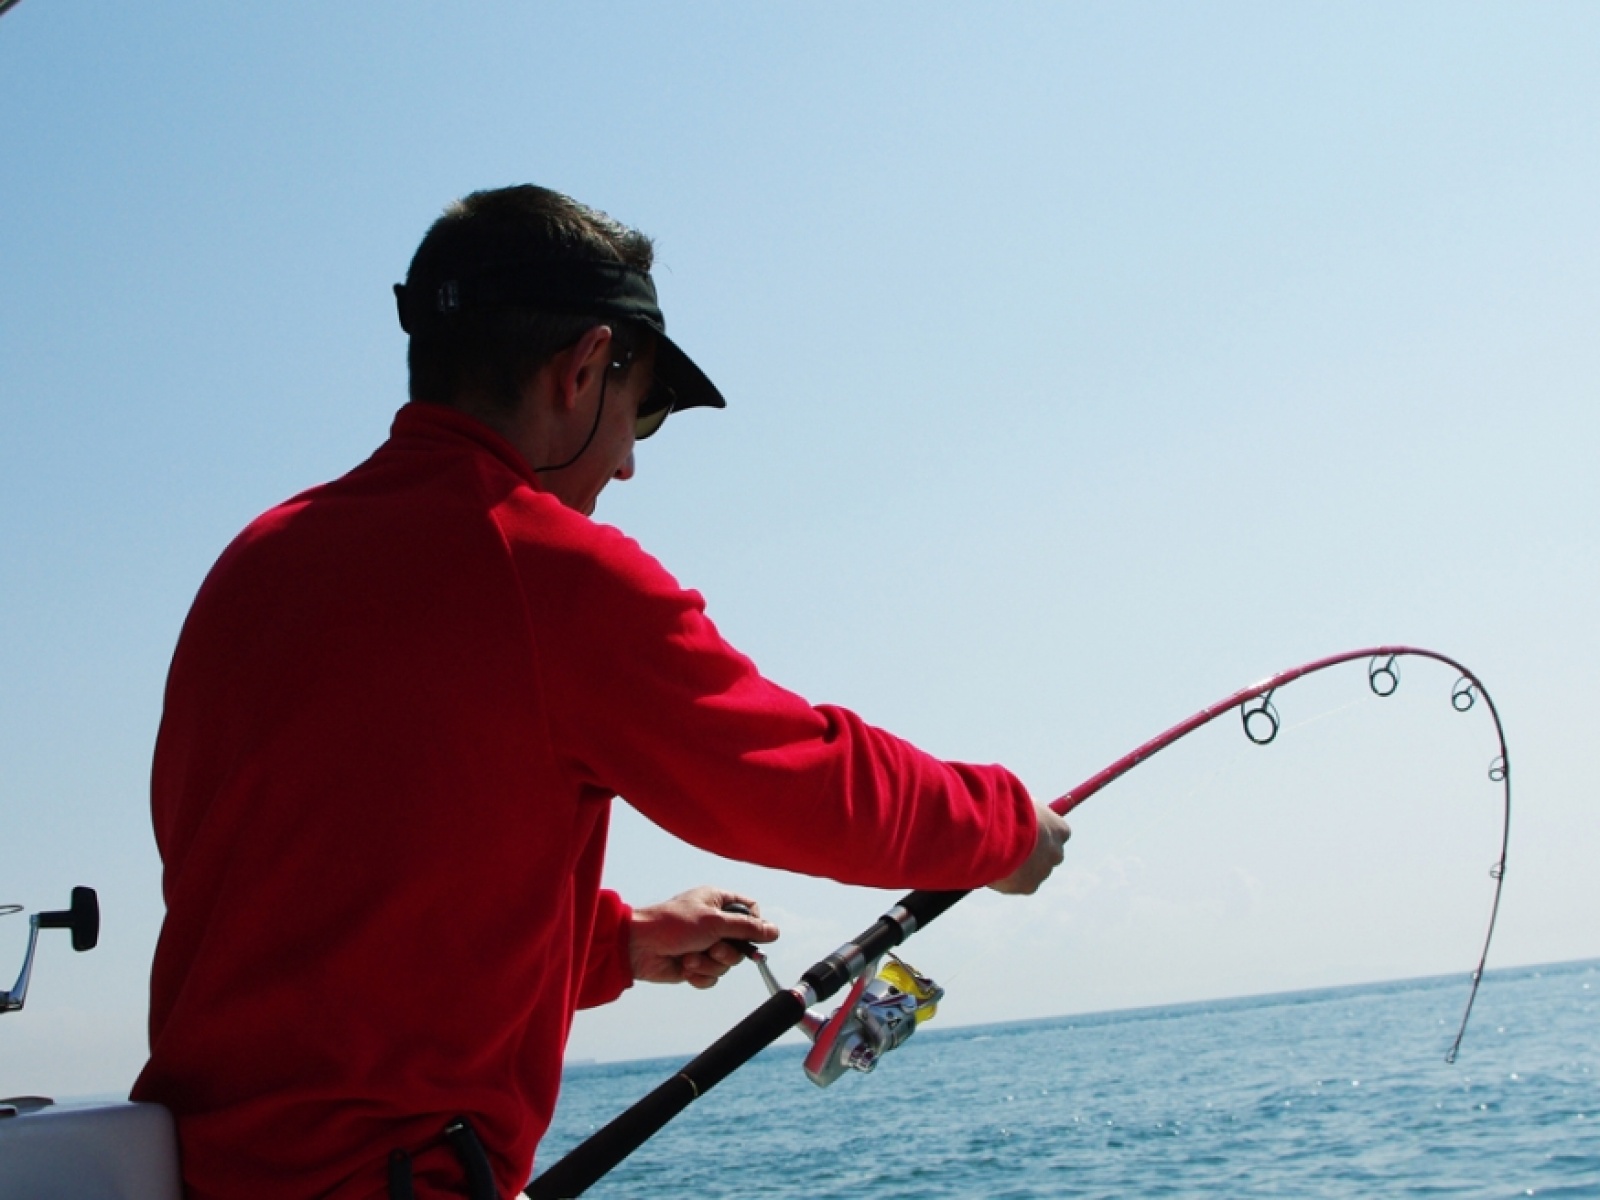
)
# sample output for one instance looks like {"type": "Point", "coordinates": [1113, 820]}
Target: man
{"type": "Point", "coordinates": [399, 711]}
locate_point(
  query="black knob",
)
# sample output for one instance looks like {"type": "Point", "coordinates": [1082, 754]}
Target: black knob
{"type": "Point", "coordinates": [83, 918]}
{"type": "Point", "coordinates": [748, 949]}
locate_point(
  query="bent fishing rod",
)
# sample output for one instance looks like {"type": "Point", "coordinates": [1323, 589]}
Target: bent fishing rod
{"type": "Point", "coordinates": [883, 1009]}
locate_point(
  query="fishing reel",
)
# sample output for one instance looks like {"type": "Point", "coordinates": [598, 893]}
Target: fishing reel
{"type": "Point", "coordinates": [881, 1011]}
{"type": "Point", "coordinates": [82, 919]}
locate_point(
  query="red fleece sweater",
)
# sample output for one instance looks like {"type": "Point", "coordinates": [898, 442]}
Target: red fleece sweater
{"type": "Point", "coordinates": [395, 721]}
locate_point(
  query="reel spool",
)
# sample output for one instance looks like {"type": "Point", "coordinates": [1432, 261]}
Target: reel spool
{"type": "Point", "coordinates": [880, 1012]}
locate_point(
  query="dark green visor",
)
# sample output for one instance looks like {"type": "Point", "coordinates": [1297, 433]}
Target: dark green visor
{"type": "Point", "coordinates": [604, 289]}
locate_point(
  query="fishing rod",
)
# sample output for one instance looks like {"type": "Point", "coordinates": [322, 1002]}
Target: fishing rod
{"type": "Point", "coordinates": [883, 1008]}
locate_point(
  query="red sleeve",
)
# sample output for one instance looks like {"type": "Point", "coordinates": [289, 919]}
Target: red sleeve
{"type": "Point", "coordinates": [648, 701]}
{"type": "Point", "coordinates": [607, 971]}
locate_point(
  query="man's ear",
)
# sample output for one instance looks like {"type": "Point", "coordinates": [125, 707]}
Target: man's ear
{"type": "Point", "coordinates": [582, 366]}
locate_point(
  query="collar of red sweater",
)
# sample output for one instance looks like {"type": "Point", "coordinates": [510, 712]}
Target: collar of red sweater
{"type": "Point", "coordinates": [435, 422]}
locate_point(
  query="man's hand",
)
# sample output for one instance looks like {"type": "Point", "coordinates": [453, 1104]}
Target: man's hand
{"type": "Point", "coordinates": [684, 939]}
{"type": "Point", "coordinates": [1048, 850]}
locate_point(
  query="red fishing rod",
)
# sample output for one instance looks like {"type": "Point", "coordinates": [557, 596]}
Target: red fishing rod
{"type": "Point", "coordinates": [882, 1010]}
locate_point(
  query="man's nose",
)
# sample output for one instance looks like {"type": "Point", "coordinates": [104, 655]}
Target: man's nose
{"type": "Point", "coordinates": [625, 471]}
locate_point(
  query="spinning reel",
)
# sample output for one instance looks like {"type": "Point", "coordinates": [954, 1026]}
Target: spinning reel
{"type": "Point", "coordinates": [880, 1012]}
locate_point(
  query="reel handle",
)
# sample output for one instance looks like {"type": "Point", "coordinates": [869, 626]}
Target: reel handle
{"type": "Point", "coordinates": [753, 952]}
{"type": "Point", "coordinates": [82, 918]}
{"type": "Point", "coordinates": [746, 948]}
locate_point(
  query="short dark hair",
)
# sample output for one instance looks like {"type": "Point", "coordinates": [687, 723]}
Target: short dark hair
{"type": "Point", "coordinates": [491, 355]}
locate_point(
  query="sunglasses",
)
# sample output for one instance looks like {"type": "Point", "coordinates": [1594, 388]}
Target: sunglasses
{"type": "Point", "coordinates": [653, 412]}
{"type": "Point", "coordinates": [653, 409]}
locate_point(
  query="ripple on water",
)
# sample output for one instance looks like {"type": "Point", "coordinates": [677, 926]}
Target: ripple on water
{"type": "Point", "coordinates": [1331, 1095]}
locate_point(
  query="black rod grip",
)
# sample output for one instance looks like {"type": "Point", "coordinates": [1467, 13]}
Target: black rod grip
{"type": "Point", "coordinates": [832, 973]}
{"type": "Point", "coordinates": [594, 1158]}
{"type": "Point", "coordinates": [925, 906]}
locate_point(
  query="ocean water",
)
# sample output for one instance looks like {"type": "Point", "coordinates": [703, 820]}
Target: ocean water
{"type": "Point", "coordinates": [1337, 1093]}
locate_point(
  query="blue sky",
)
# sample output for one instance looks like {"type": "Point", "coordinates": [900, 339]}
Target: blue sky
{"type": "Point", "coordinates": [1084, 362]}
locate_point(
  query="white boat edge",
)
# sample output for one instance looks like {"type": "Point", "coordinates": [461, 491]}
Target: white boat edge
{"type": "Point", "coordinates": [87, 1150]}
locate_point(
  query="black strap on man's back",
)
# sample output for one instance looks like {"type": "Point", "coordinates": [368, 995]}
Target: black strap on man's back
{"type": "Point", "coordinates": [463, 1142]}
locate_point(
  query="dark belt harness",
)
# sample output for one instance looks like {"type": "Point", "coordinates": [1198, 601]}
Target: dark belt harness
{"type": "Point", "coordinates": [463, 1142]}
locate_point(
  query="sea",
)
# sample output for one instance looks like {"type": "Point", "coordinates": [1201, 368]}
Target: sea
{"type": "Point", "coordinates": [1342, 1092]}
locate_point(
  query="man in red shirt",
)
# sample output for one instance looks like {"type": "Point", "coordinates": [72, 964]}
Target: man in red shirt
{"type": "Point", "coordinates": [399, 711]}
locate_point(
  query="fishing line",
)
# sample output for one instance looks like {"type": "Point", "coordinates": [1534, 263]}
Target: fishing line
{"type": "Point", "coordinates": [871, 1022]}
{"type": "Point", "coordinates": [1259, 718]}
{"type": "Point", "coordinates": [1323, 716]}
